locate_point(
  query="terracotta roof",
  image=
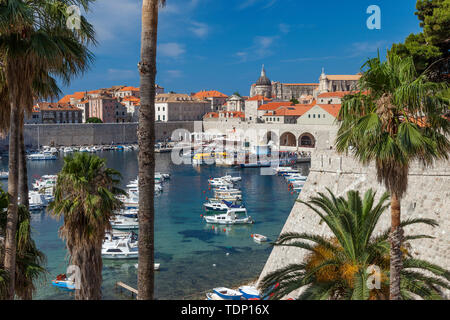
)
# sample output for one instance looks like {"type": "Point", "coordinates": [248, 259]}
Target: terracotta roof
{"type": "Point", "coordinates": [332, 109]}
{"type": "Point", "coordinates": [234, 114]}
{"type": "Point", "coordinates": [129, 89]}
{"type": "Point", "coordinates": [47, 106]}
{"type": "Point", "coordinates": [295, 110]}
{"type": "Point", "coordinates": [131, 98]}
{"type": "Point", "coordinates": [275, 105]}
{"type": "Point", "coordinates": [177, 98]}
{"type": "Point", "coordinates": [210, 94]}
{"type": "Point", "coordinates": [337, 94]}
{"type": "Point", "coordinates": [211, 115]}
{"type": "Point", "coordinates": [344, 77]}
{"type": "Point", "coordinates": [257, 98]}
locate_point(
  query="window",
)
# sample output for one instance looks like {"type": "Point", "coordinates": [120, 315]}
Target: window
{"type": "Point", "coordinates": [309, 116]}
{"type": "Point", "coordinates": [324, 115]}
{"type": "Point", "coordinates": [318, 116]}
{"type": "Point", "coordinates": [164, 117]}
{"type": "Point", "coordinates": [314, 115]}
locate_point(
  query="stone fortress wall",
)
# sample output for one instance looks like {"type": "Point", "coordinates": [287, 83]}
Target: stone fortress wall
{"type": "Point", "coordinates": [428, 196]}
{"type": "Point", "coordinates": [94, 134]}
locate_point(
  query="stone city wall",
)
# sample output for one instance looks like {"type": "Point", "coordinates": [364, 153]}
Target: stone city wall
{"type": "Point", "coordinates": [428, 196]}
{"type": "Point", "coordinates": [94, 134]}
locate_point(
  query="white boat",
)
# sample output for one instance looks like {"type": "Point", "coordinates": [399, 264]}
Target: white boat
{"type": "Point", "coordinates": [123, 223]}
{"type": "Point", "coordinates": [84, 149]}
{"type": "Point", "coordinates": [227, 294]}
{"type": "Point", "coordinates": [213, 296]}
{"type": "Point", "coordinates": [120, 247]}
{"type": "Point", "coordinates": [42, 156]}
{"type": "Point", "coordinates": [216, 206]}
{"type": "Point", "coordinates": [45, 182]}
{"type": "Point", "coordinates": [259, 238]}
{"type": "Point", "coordinates": [295, 176]}
{"type": "Point", "coordinates": [250, 292]}
{"type": "Point", "coordinates": [231, 178]}
{"type": "Point", "coordinates": [4, 175]}
{"type": "Point", "coordinates": [67, 150]}
{"type": "Point", "coordinates": [37, 201]}
{"type": "Point", "coordinates": [232, 216]}
{"type": "Point", "coordinates": [219, 182]}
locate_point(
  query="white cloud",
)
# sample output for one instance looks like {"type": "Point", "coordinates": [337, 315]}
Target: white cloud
{"type": "Point", "coordinates": [260, 49]}
{"type": "Point", "coordinates": [201, 30]}
{"type": "Point", "coordinates": [264, 4]}
{"type": "Point", "coordinates": [171, 49]}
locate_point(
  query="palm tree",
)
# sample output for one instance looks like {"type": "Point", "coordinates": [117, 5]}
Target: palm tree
{"type": "Point", "coordinates": [146, 137]}
{"type": "Point", "coordinates": [34, 37]}
{"type": "Point", "coordinates": [396, 119]}
{"type": "Point", "coordinates": [85, 195]}
{"type": "Point", "coordinates": [29, 260]}
{"type": "Point", "coordinates": [337, 266]}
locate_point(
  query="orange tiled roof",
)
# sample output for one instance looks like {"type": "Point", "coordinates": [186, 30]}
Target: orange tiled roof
{"type": "Point", "coordinates": [337, 94]}
{"type": "Point", "coordinates": [256, 98]}
{"type": "Point", "coordinates": [234, 114]}
{"type": "Point", "coordinates": [293, 110]}
{"type": "Point", "coordinates": [129, 89]}
{"type": "Point", "coordinates": [211, 115]}
{"type": "Point", "coordinates": [210, 94]}
{"type": "Point", "coordinates": [344, 77]}
{"type": "Point", "coordinates": [43, 106]}
{"type": "Point", "coordinates": [332, 109]}
{"type": "Point", "coordinates": [275, 105]}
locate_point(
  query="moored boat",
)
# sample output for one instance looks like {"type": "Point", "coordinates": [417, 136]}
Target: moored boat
{"type": "Point", "coordinates": [232, 216]}
{"type": "Point", "coordinates": [250, 292]}
{"type": "Point", "coordinates": [63, 282]}
{"type": "Point", "coordinates": [228, 294]}
{"type": "Point", "coordinates": [259, 237]}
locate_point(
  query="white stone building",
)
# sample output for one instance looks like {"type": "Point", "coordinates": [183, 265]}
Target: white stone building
{"type": "Point", "coordinates": [179, 107]}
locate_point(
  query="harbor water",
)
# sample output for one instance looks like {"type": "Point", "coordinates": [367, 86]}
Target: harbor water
{"type": "Point", "coordinates": [194, 256]}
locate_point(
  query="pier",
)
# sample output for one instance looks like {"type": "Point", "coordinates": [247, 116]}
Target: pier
{"type": "Point", "coordinates": [120, 285]}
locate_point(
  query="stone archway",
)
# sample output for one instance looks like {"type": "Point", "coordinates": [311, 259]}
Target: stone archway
{"type": "Point", "coordinates": [288, 139]}
{"type": "Point", "coordinates": [306, 140]}
{"type": "Point", "coordinates": [271, 136]}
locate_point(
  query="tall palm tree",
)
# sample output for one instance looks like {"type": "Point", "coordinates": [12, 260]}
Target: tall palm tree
{"type": "Point", "coordinates": [337, 266]}
{"type": "Point", "coordinates": [29, 260]}
{"type": "Point", "coordinates": [34, 36]}
{"type": "Point", "coordinates": [85, 195]}
{"type": "Point", "coordinates": [146, 137]}
{"type": "Point", "coordinates": [396, 119]}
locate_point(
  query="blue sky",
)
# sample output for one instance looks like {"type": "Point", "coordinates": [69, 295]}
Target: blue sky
{"type": "Point", "coordinates": [221, 44]}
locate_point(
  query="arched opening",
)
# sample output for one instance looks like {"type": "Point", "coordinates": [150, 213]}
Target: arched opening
{"type": "Point", "coordinates": [271, 136]}
{"type": "Point", "coordinates": [307, 140]}
{"type": "Point", "coordinates": [288, 140]}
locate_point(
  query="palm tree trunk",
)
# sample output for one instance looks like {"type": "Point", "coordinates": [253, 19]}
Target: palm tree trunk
{"type": "Point", "coordinates": [396, 239]}
{"type": "Point", "coordinates": [23, 172]}
{"type": "Point", "coordinates": [146, 137]}
{"type": "Point", "coordinates": [89, 261]}
{"type": "Point", "coordinates": [13, 182]}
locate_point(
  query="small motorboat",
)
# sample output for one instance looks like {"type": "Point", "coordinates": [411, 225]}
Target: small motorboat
{"type": "Point", "coordinates": [250, 292]}
{"type": "Point", "coordinates": [42, 156]}
{"type": "Point", "coordinates": [4, 175]}
{"type": "Point", "coordinates": [216, 206]}
{"type": "Point", "coordinates": [259, 237]}
{"type": "Point", "coordinates": [213, 296]}
{"type": "Point", "coordinates": [228, 294]}
{"type": "Point", "coordinates": [63, 282]}
{"type": "Point", "coordinates": [123, 223]}
{"type": "Point", "coordinates": [116, 247]}
{"type": "Point", "coordinates": [233, 216]}
{"type": "Point", "coordinates": [67, 150]}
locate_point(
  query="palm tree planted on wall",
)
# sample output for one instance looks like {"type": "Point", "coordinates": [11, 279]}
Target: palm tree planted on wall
{"type": "Point", "coordinates": [396, 119]}
{"type": "Point", "coordinates": [34, 38]}
{"type": "Point", "coordinates": [353, 262]}
{"type": "Point", "coordinates": [30, 260]}
{"type": "Point", "coordinates": [146, 138]}
{"type": "Point", "coordinates": [85, 196]}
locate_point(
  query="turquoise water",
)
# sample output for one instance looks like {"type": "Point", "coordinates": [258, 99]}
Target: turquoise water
{"type": "Point", "coordinates": [186, 247]}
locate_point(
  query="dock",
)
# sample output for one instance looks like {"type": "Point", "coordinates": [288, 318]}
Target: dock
{"type": "Point", "coordinates": [122, 285]}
